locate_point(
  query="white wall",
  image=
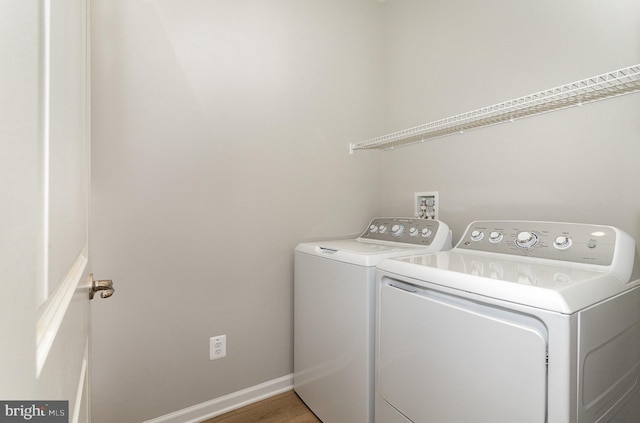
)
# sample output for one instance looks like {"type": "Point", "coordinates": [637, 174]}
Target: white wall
{"type": "Point", "coordinates": [220, 141]}
{"type": "Point", "coordinates": [445, 58]}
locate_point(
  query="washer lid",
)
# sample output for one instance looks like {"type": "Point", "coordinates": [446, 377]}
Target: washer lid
{"type": "Point", "coordinates": [552, 287]}
{"type": "Point", "coordinates": [355, 251]}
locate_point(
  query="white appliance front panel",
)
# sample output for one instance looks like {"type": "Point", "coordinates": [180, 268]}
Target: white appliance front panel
{"type": "Point", "coordinates": [443, 358]}
{"type": "Point", "coordinates": [333, 338]}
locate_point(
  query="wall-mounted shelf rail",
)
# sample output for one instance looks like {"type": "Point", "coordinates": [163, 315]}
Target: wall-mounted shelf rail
{"type": "Point", "coordinates": [600, 87]}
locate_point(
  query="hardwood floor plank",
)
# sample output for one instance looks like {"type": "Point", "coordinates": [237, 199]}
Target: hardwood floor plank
{"type": "Point", "coordinates": [283, 408]}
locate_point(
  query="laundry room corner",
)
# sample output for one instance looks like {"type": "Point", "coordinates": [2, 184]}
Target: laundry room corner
{"type": "Point", "coordinates": [446, 58]}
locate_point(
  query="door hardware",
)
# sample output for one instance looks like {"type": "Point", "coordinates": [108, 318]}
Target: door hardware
{"type": "Point", "coordinates": [105, 287]}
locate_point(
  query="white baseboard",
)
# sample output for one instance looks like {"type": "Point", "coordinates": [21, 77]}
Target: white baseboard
{"type": "Point", "coordinates": [233, 401]}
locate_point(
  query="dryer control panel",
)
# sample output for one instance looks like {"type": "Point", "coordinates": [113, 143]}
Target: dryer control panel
{"type": "Point", "coordinates": [404, 230]}
{"type": "Point", "coordinates": [572, 242]}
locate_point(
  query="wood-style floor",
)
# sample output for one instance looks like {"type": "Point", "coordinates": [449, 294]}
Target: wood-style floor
{"type": "Point", "coordinates": [283, 408]}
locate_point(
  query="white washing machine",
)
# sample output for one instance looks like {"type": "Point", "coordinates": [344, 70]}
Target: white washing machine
{"type": "Point", "coordinates": [334, 307]}
{"type": "Point", "coordinates": [521, 322]}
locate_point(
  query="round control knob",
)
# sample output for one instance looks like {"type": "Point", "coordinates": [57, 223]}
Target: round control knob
{"type": "Point", "coordinates": [382, 229]}
{"type": "Point", "coordinates": [397, 229]}
{"type": "Point", "coordinates": [495, 237]}
{"type": "Point", "coordinates": [476, 235]}
{"type": "Point", "coordinates": [373, 228]}
{"type": "Point", "coordinates": [562, 242]}
{"type": "Point", "coordinates": [526, 239]}
{"type": "Point", "coordinates": [426, 232]}
{"type": "Point", "coordinates": [413, 231]}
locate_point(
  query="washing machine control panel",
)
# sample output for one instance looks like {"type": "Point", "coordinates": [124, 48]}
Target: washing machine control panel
{"type": "Point", "coordinates": [404, 230]}
{"type": "Point", "coordinates": [573, 242]}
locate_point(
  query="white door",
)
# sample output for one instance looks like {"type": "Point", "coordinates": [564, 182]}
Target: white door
{"type": "Point", "coordinates": [44, 213]}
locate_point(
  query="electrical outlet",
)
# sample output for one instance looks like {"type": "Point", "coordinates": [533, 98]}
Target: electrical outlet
{"type": "Point", "coordinates": [426, 204]}
{"type": "Point", "coordinates": [217, 347]}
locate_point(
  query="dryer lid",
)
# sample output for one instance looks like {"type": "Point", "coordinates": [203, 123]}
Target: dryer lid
{"type": "Point", "coordinates": [555, 288]}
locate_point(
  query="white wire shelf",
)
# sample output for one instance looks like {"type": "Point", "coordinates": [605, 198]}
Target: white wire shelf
{"type": "Point", "coordinates": [600, 87]}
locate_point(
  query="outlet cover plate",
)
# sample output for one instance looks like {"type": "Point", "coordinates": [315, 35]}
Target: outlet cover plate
{"type": "Point", "coordinates": [217, 347]}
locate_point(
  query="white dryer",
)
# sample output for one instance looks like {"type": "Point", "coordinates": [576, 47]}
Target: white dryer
{"type": "Point", "coordinates": [334, 307]}
{"type": "Point", "coordinates": [521, 322]}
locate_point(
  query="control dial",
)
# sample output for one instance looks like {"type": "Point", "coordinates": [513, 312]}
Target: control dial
{"type": "Point", "coordinates": [526, 239]}
{"type": "Point", "coordinates": [413, 231]}
{"type": "Point", "coordinates": [426, 232]}
{"type": "Point", "coordinates": [373, 228]}
{"type": "Point", "coordinates": [495, 237]}
{"type": "Point", "coordinates": [562, 242]}
{"type": "Point", "coordinates": [476, 235]}
{"type": "Point", "coordinates": [382, 229]}
{"type": "Point", "coordinates": [397, 229]}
